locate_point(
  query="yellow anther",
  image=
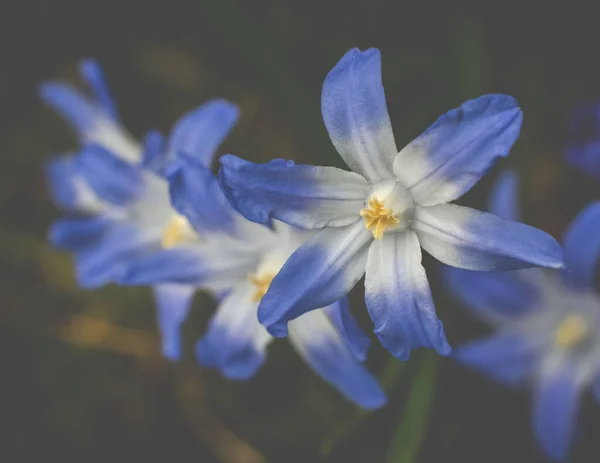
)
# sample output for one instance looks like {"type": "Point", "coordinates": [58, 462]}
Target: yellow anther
{"type": "Point", "coordinates": [176, 232]}
{"type": "Point", "coordinates": [262, 283]}
{"type": "Point", "coordinates": [377, 217]}
{"type": "Point", "coordinates": [571, 331]}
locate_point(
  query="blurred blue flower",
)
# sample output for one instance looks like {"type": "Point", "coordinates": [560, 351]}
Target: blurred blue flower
{"type": "Point", "coordinates": [583, 139]}
{"type": "Point", "coordinates": [547, 324]}
{"type": "Point", "coordinates": [237, 259]}
{"type": "Point", "coordinates": [116, 188]}
{"type": "Point", "coordinates": [375, 220]}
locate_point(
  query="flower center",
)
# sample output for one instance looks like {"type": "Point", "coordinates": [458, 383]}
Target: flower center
{"type": "Point", "coordinates": [262, 283]}
{"type": "Point", "coordinates": [571, 331]}
{"type": "Point", "coordinates": [378, 218]}
{"type": "Point", "coordinates": [177, 231]}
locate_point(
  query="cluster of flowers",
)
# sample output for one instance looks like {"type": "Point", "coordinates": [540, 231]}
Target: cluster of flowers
{"type": "Point", "coordinates": [280, 245]}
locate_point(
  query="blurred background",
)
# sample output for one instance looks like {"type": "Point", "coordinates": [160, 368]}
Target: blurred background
{"type": "Point", "coordinates": [82, 376]}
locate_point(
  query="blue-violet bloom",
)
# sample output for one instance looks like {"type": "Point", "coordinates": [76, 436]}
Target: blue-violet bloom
{"type": "Point", "coordinates": [116, 188]}
{"type": "Point", "coordinates": [547, 324]}
{"type": "Point", "coordinates": [237, 259]}
{"type": "Point", "coordinates": [375, 220]}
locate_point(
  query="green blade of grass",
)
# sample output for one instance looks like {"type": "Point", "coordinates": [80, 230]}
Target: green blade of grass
{"type": "Point", "coordinates": [410, 432]}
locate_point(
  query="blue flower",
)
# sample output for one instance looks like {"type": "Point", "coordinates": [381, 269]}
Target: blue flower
{"type": "Point", "coordinates": [547, 325]}
{"type": "Point", "coordinates": [116, 187]}
{"type": "Point", "coordinates": [583, 139]}
{"type": "Point", "coordinates": [375, 220]}
{"type": "Point", "coordinates": [237, 259]}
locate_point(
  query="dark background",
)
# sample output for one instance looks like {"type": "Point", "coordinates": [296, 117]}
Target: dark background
{"type": "Point", "coordinates": [82, 378]}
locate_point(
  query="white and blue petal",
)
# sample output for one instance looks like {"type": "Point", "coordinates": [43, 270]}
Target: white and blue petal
{"type": "Point", "coordinates": [507, 357]}
{"type": "Point", "coordinates": [453, 154]}
{"type": "Point", "coordinates": [496, 296]}
{"type": "Point", "coordinates": [318, 342]}
{"type": "Point", "coordinates": [200, 132]}
{"type": "Point", "coordinates": [111, 178]}
{"type": "Point", "coordinates": [108, 258]}
{"type": "Point", "coordinates": [555, 408]}
{"type": "Point", "coordinates": [340, 317]}
{"type": "Point", "coordinates": [235, 343]}
{"type": "Point", "coordinates": [90, 120]}
{"type": "Point", "coordinates": [582, 247]}
{"type": "Point", "coordinates": [67, 188]}
{"type": "Point", "coordinates": [504, 197]}
{"type": "Point", "coordinates": [321, 271]}
{"type": "Point", "coordinates": [356, 116]}
{"type": "Point", "coordinates": [466, 238]}
{"type": "Point", "coordinates": [172, 304]}
{"type": "Point", "coordinates": [196, 194]}
{"type": "Point", "coordinates": [92, 73]}
{"type": "Point", "coordinates": [398, 297]}
{"type": "Point", "coordinates": [301, 195]}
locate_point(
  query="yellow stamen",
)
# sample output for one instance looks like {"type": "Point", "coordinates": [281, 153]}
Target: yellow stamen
{"type": "Point", "coordinates": [571, 331]}
{"type": "Point", "coordinates": [377, 217]}
{"type": "Point", "coordinates": [176, 231]}
{"type": "Point", "coordinates": [262, 283]}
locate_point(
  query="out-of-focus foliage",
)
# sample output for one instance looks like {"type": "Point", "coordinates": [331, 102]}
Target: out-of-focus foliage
{"type": "Point", "coordinates": [83, 379]}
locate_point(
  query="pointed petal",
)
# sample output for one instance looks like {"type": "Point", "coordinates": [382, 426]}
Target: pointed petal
{"type": "Point", "coordinates": [90, 120]}
{"type": "Point", "coordinates": [321, 271]}
{"type": "Point", "coordinates": [75, 234]}
{"type": "Point", "coordinates": [504, 197]}
{"type": "Point", "coordinates": [507, 357]}
{"type": "Point", "coordinates": [493, 295]}
{"type": "Point", "coordinates": [200, 132]}
{"type": "Point", "coordinates": [398, 297]}
{"type": "Point", "coordinates": [356, 116]}
{"type": "Point", "coordinates": [112, 179]}
{"type": "Point", "coordinates": [555, 409]}
{"type": "Point", "coordinates": [466, 238]}
{"type": "Point", "coordinates": [196, 194]}
{"type": "Point", "coordinates": [582, 247]}
{"type": "Point", "coordinates": [68, 189]}
{"type": "Point", "coordinates": [453, 154]}
{"type": "Point", "coordinates": [154, 154]}
{"type": "Point", "coordinates": [92, 73]}
{"type": "Point", "coordinates": [173, 304]}
{"type": "Point", "coordinates": [301, 195]}
{"type": "Point", "coordinates": [340, 317]}
{"type": "Point", "coordinates": [235, 343]}
{"type": "Point", "coordinates": [318, 342]}
{"type": "Point", "coordinates": [108, 258]}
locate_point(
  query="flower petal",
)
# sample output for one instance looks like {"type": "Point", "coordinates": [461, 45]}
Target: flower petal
{"type": "Point", "coordinates": [340, 317]}
{"type": "Point", "coordinates": [92, 73]}
{"type": "Point", "coordinates": [584, 140]}
{"type": "Point", "coordinates": [319, 343]}
{"type": "Point", "coordinates": [321, 271]}
{"type": "Point", "coordinates": [453, 154]}
{"type": "Point", "coordinates": [68, 189]}
{"type": "Point", "coordinates": [474, 240]}
{"type": "Point", "coordinates": [507, 357]}
{"type": "Point", "coordinates": [200, 132]}
{"type": "Point", "coordinates": [74, 234]}
{"type": "Point", "coordinates": [555, 408]}
{"type": "Point", "coordinates": [235, 342]}
{"type": "Point", "coordinates": [495, 296]}
{"type": "Point", "coordinates": [196, 194]}
{"type": "Point", "coordinates": [108, 258]}
{"type": "Point", "coordinates": [398, 297]}
{"type": "Point", "coordinates": [356, 116]}
{"type": "Point", "coordinates": [301, 195]}
{"type": "Point", "coordinates": [215, 269]}
{"type": "Point", "coordinates": [504, 197]}
{"type": "Point", "coordinates": [154, 154]}
{"type": "Point", "coordinates": [112, 179]}
{"type": "Point", "coordinates": [173, 304]}
{"type": "Point", "coordinates": [582, 247]}
{"type": "Point", "coordinates": [90, 120]}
